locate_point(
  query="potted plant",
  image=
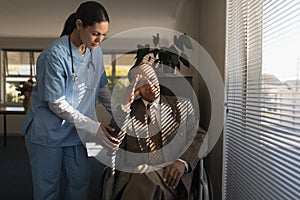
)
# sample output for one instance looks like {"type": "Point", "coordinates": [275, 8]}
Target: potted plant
{"type": "Point", "coordinates": [170, 57]}
{"type": "Point", "coordinates": [25, 89]}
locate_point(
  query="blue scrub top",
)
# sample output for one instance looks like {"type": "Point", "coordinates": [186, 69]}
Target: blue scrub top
{"type": "Point", "coordinates": [54, 82]}
{"type": "Point", "coordinates": [103, 80]}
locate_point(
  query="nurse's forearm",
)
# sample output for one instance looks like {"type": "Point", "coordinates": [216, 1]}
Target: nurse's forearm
{"type": "Point", "coordinates": [67, 112]}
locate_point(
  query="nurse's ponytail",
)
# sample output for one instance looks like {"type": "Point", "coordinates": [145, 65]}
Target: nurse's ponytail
{"type": "Point", "coordinates": [69, 25]}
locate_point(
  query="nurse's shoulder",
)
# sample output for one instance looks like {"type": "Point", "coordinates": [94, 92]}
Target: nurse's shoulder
{"type": "Point", "coordinates": [57, 48]}
{"type": "Point", "coordinates": [57, 51]}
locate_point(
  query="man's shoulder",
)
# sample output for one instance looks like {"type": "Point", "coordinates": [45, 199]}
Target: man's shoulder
{"type": "Point", "coordinates": [175, 99]}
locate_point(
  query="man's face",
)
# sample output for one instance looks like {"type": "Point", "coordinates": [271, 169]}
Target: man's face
{"type": "Point", "coordinates": [148, 85]}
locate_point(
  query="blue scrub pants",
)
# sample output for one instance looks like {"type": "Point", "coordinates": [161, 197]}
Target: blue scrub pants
{"type": "Point", "coordinates": [47, 165]}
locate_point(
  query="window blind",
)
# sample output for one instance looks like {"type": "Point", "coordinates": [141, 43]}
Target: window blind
{"type": "Point", "coordinates": [262, 129]}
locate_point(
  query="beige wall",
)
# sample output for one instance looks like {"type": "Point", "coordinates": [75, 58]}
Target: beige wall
{"type": "Point", "coordinates": [212, 38]}
{"type": "Point", "coordinates": [24, 43]}
{"type": "Point", "coordinates": [204, 21]}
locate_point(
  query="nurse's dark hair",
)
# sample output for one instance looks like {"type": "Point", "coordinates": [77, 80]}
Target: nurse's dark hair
{"type": "Point", "coordinates": [89, 12]}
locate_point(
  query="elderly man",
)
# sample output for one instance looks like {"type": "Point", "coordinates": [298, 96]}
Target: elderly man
{"type": "Point", "coordinates": [161, 140]}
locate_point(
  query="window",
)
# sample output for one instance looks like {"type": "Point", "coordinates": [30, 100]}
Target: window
{"type": "Point", "coordinates": [117, 67]}
{"type": "Point", "coordinates": [18, 66]}
{"type": "Point", "coordinates": [262, 132]}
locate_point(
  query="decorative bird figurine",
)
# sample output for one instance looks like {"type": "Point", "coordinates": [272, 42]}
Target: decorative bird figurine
{"type": "Point", "coordinates": [178, 42]}
{"type": "Point", "coordinates": [156, 39]}
{"type": "Point", "coordinates": [182, 41]}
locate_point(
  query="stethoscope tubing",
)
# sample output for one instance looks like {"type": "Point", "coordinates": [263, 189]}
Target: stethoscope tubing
{"type": "Point", "coordinates": [74, 75]}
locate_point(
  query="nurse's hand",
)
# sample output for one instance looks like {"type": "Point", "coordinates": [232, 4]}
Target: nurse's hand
{"type": "Point", "coordinates": [106, 139]}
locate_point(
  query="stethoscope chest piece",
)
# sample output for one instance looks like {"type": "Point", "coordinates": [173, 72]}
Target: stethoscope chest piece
{"type": "Point", "coordinates": [74, 77]}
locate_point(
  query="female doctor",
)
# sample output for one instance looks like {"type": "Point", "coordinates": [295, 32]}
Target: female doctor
{"type": "Point", "coordinates": [104, 94]}
{"type": "Point", "coordinates": [63, 107]}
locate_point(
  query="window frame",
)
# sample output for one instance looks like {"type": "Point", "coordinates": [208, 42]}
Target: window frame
{"type": "Point", "coordinates": [5, 74]}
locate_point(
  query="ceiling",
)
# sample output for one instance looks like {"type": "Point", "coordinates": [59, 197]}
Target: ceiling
{"type": "Point", "coordinates": [45, 18]}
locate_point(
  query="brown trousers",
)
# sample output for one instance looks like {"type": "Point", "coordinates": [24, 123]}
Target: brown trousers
{"type": "Point", "coordinates": [147, 186]}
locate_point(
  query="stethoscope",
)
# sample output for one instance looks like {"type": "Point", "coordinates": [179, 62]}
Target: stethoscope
{"type": "Point", "coordinates": [90, 63]}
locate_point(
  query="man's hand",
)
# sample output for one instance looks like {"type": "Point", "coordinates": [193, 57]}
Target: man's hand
{"type": "Point", "coordinates": [105, 138]}
{"type": "Point", "coordinates": [173, 172]}
{"type": "Point", "coordinates": [131, 92]}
